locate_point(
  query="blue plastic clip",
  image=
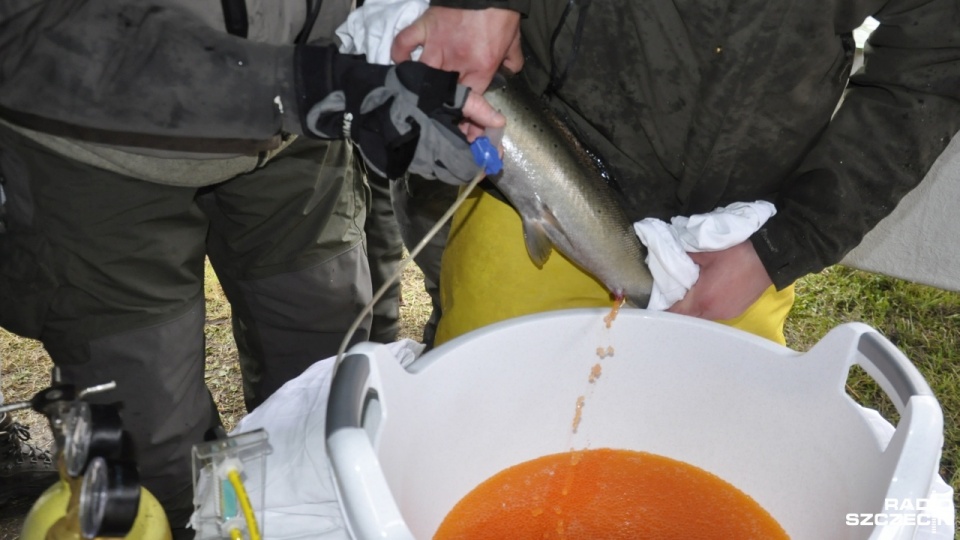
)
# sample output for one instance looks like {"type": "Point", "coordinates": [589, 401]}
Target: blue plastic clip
{"type": "Point", "coordinates": [486, 155]}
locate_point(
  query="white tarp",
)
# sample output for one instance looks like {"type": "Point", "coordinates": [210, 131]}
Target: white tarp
{"type": "Point", "coordinates": [920, 240]}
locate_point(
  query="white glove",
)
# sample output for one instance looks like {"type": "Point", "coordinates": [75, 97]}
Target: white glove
{"type": "Point", "coordinates": [674, 272]}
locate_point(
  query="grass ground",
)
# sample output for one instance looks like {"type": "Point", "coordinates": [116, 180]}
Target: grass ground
{"type": "Point", "coordinates": [923, 322]}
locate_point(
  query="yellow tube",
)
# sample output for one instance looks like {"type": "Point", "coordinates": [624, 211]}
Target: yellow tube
{"type": "Point", "coordinates": [245, 505]}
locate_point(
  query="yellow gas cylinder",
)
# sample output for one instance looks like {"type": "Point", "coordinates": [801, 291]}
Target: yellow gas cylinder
{"type": "Point", "coordinates": [55, 516]}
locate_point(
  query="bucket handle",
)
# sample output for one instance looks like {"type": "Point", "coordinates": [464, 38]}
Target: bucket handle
{"type": "Point", "coordinates": [353, 417]}
{"type": "Point", "coordinates": [891, 369]}
{"type": "Point", "coordinates": [914, 448]}
{"type": "Point", "coordinates": [348, 392]}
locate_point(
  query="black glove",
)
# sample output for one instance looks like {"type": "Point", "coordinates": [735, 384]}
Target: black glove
{"type": "Point", "coordinates": [402, 118]}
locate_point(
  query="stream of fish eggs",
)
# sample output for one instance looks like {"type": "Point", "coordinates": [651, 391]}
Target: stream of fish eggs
{"type": "Point", "coordinates": [606, 493]}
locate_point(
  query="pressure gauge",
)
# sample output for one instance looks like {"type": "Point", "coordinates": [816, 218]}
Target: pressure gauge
{"type": "Point", "coordinates": [78, 433]}
{"type": "Point", "coordinates": [94, 494]}
{"type": "Point", "coordinates": [109, 498]}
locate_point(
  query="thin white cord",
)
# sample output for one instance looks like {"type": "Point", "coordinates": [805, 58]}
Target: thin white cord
{"type": "Point", "coordinates": [403, 264]}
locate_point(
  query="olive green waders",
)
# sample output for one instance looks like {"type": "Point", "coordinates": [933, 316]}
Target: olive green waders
{"type": "Point", "coordinates": [107, 271]}
{"type": "Point", "coordinates": [384, 253]}
{"type": "Point", "coordinates": [418, 204]}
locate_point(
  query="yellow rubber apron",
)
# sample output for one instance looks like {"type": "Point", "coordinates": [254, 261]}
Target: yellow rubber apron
{"type": "Point", "coordinates": [487, 276]}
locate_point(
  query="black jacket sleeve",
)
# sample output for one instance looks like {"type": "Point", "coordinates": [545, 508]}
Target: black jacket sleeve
{"type": "Point", "coordinates": [898, 115]}
{"type": "Point", "coordinates": [141, 74]}
{"type": "Point", "coordinates": [522, 6]}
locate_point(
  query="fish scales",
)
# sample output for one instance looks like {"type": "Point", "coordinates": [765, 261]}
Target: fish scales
{"type": "Point", "coordinates": [562, 198]}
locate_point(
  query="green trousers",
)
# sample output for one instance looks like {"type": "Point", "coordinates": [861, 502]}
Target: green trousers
{"type": "Point", "coordinates": [107, 271]}
{"type": "Point", "coordinates": [384, 253]}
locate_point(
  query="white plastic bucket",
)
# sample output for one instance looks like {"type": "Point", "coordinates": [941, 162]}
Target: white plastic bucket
{"type": "Point", "coordinates": [406, 444]}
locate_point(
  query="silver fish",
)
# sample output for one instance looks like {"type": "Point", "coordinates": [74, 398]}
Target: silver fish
{"type": "Point", "coordinates": [562, 198]}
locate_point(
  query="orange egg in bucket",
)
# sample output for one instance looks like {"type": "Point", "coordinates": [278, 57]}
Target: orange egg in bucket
{"type": "Point", "coordinates": [609, 494]}
{"type": "Point", "coordinates": [407, 443]}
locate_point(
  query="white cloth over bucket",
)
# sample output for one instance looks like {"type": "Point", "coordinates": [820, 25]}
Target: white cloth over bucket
{"type": "Point", "coordinates": [301, 500]}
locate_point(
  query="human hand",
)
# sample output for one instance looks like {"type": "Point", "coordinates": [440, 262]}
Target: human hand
{"type": "Point", "coordinates": [480, 117]}
{"type": "Point", "coordinates": [406, 117]}
{"type": "Point", "coordinates": [473, 42]}
{"type": "Point", "coordinates": [730, 281]}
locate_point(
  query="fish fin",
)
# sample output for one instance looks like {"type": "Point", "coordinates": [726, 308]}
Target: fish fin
{"type": "Point", "coordinates": [538, 244]}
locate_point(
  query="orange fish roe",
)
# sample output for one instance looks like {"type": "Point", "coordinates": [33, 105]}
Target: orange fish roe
{"type": "Point", "coordinates": [609, 494]}
{"type": "Point", "coordinates": [603, 353]}
{"type": "Point", "coordinates": [612, 316]}
{"type": "Point", "coordinates": [577, 415]}
{"type": "Point", "coordinates": [595, 373]}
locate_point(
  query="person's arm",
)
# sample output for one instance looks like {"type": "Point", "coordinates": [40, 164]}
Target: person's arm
{"type": "Point", "coordinates": [130, 73]}
{"type": "Point", "coordinates": [898, 115]}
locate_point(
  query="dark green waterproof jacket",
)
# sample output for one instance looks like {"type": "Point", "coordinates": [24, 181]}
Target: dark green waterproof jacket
{"type": "Point", "coordinates": [695, 104]}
